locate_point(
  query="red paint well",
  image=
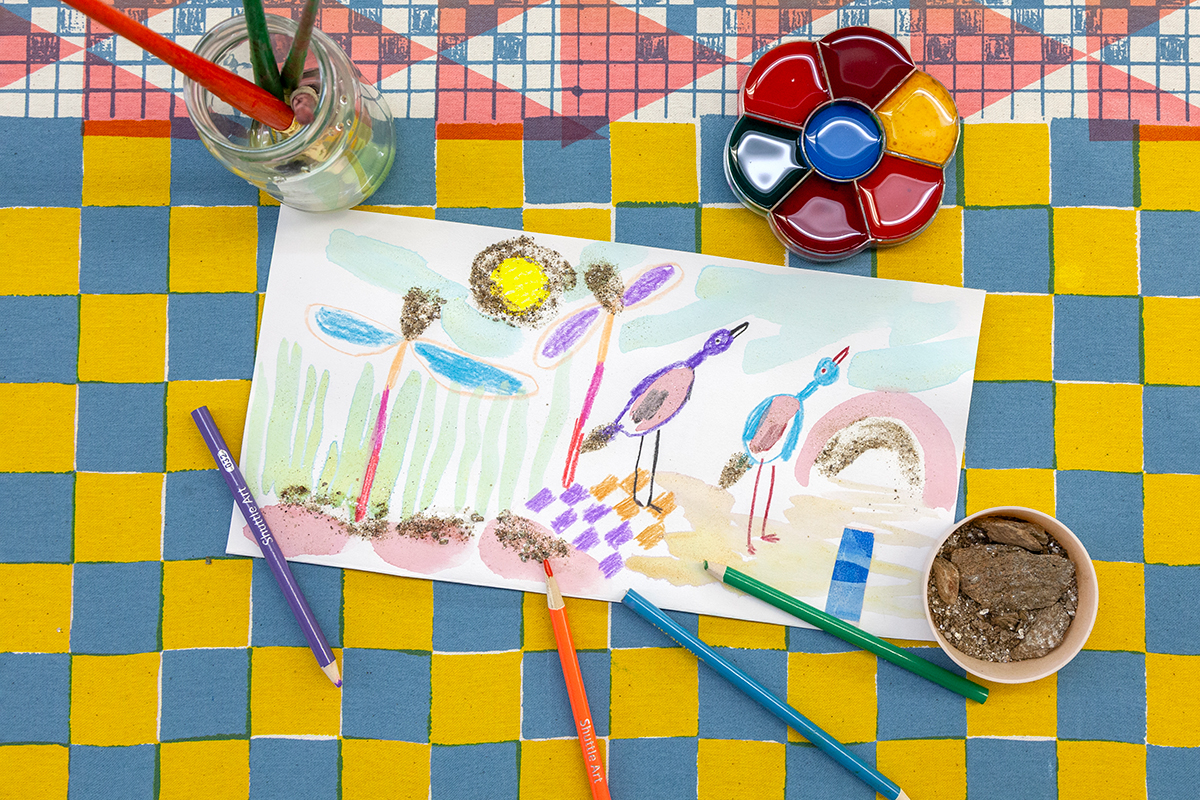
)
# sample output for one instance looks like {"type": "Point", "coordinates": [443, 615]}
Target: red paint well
{"type": "Point", "coordinates": [821, 219]}
{"type": "Point", "coordinates": [900, 197]}
{"type": "Point", "coordinates": [785, 85]}
{"type": "Point", "coordinates": [864, 63]}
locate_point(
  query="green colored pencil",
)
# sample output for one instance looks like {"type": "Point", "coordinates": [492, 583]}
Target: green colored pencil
{"type": "Point", "coordinates": [293, 67]}
{"type": "Point", "coordinates": [262, 57]}
{"type": "Point", "coordinates": [844, 630]}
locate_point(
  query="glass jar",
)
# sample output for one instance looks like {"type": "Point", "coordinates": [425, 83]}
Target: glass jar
{"type": "Point", "coordinates": [334, 162]}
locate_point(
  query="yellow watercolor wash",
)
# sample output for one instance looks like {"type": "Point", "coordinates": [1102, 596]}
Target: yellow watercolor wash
{"type": "Point", "coordinates": [520, 283]}
{"type": "Point", "coordinates": [920, 120]}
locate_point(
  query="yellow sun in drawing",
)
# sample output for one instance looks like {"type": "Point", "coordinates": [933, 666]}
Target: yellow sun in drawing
{"type": "Point", "coordinates": [520, 282]}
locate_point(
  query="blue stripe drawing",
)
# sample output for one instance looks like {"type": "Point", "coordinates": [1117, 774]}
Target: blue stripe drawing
{"type": "Point", "coordinates": [850, 570]}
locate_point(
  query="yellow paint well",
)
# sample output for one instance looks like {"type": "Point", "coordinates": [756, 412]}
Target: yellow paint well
{"type": "Point", "coordinates": [920, 120]}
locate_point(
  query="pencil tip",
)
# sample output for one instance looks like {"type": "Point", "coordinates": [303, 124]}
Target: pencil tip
{"type": "Point", "coordinates": [338, 684]}
{"type": "Point", "coordinates": [331, 672]}
{"type": "Point", "coordinates": [546, 566]}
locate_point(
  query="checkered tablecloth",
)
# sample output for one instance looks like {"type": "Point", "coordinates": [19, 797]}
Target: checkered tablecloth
{"type": "Point", "coordinates": [138, 661]}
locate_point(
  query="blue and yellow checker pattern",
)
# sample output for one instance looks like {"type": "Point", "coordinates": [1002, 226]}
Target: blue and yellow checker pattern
{"type": "Point", "coordinates": [138, 661]}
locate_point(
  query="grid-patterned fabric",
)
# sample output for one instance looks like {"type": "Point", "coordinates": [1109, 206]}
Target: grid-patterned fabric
{"type": "Point", "coordinates": [137, 661]}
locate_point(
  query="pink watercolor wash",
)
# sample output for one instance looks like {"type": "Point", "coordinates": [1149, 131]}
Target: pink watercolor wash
{"type": "Point", "coordinates": [423, 556]}
{"type": "Point", "coordinates": [578, 573]}
{"type": "Point", "coordinates": [302, 532]}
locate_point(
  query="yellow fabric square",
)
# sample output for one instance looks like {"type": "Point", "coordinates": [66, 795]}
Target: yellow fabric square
{"type": "Point", "coordinates": [1017, 709]}
{"type": "Point", "coordinates": [39, 248]}
{"type": "Point", "coordinates": [222, 767]}
{"type": "Point", "coordinates": [836, 691]}
{"type": "Point", "coordinates": [925, 768]}
{"type": "Point", "coordinates": [737, 770]}
{"type": "Point", "coordinates": [476, 173]}
{"type": "Point", "coordinates": [1170, 175]}
{"type": "Point", "coordinates": [1016, 340]}
{"type": "Point", "coordinates": [118, 517]}
{"type": "Point", "coordinates": [722, 632]}
{"type": "Point", "coordinates": [1090, 770]}
{"type": "Point", "coordinates": [35, 608]}
{"type": "Point", "coordinates": [654, 693]}
{"type": "Point", "coordinates": [1098, 426]}
{"type": "Point", "coordinates": [584, 223]}
{"type": "Point", "coordinates": [1172, 703]}
{"type": "Point", "coordinates": [369, 617]}
{"type": "Point", "coordinates": [588, 618]}
{"type": "Point", "coordinates": [265, 199]}
{"type": "Point", "coordinates": [290, 695]}
{"type": "Point", "coordinates": [123, 338]}
{"type": "Point", "coordinates": [114, 699]}
{"type": "Point", "coordinates": [206, 604]}
{"type": "Point", "coordinates": [1006, 164]}
{"type": "Point", "coordinates": [1171, 331]}
{"type": "Point", "coordinates": [421, 212]}
{"type": "Point", "coordinates": [378, 770]}
{"type": "Point", "coordinates": [126, 171]}
{"type": "Point", "coordinates": [553, 769]}
{"type": "Point", "coordinates": [37, 426]}
{"type": "Point", "coordinates": [1032, 488]}
{"type": "Point", "coordinates": [227, 400]}
{"type": "Point", "coordinates": [34, 770]}
{"type": "Point", "coordinates": [214, 249]}
{"type": "Point", "coordinates": [1170, 528]}
{"type": "Point", "coordinates": [933, 257]}
{"type": "Point", "coordinates": [739, 233]}
{"type": "Point", "coordinates": [475, 697]}
{"type": "Point", "coordinates": [653, 162]}
{"type": "Point", "coordinates": [1095, 250]}
{"type": "Point", "coordinates": [1121, 620]}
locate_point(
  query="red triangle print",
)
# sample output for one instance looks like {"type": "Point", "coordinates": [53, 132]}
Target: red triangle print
{"type": "Point", "coordinates": [112, 92]}
{"type": "Point", "coordinates": [1115, 94]}
{"type": "Point", "coordinates": [42, 47]}
{"type": "Point", "coordinates": [465, 95]}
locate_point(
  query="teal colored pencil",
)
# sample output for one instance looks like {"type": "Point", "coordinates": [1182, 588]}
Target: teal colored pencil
{"type": "Point", "coordinates": [847, 632]}
{"type": "Point", "coordinates": [262, 57]}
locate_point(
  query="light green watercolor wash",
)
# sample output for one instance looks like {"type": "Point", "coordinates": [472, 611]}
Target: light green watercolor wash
{"type": "Point", "coordinates": [283, 417]}
{"type": "Point", "coordinates": [447, 438]}
{"type": "Point", "coordinates": [256, 429]}
{"type": "Point", "coordinates": [470, 452]}
{"type": "Point", "coordinates": [514, 453]}
{"type": "Point", "coordinates": [560, 404]}
{"type": "Point", "coordinates": [914, 368]}
{"type": "Point", "coordinates": [420, 449]}
{"type": "Point", "coordinates": [491, 457]}
{"type": "Point", "coordinates": [345, 477]}
{"type": "Point", "coordinates": [395, 440]}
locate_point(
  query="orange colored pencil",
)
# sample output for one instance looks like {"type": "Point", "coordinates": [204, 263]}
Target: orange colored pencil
{"type": "Point", "coordinates": [233, 89]}
{"type": "Point", "coordinates": [575, 691]}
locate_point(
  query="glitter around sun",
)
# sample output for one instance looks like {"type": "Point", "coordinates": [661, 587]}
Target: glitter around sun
{"type": "Point", "coordinates": [520, 282]}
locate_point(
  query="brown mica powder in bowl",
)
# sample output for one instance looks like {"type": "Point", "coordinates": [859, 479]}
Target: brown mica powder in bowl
{"type": "Point", "coordinates": [1010, 631]}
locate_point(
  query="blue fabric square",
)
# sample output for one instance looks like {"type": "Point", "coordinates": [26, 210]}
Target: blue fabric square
{"type": "Point", "coordinates": [664, 769]}
{"type": "Point", "coordinates": [198, 179]}
{"type": "Point", "coordinates": [1105, 508]}
{"type": "Point", "coordinates": [911, 707]}
{"type": "Point", "coordinates": [950, 175]}
{"type": "Point", "coordinates": [727, 713]}
{"type": "Point", "coordinates": [1172, 615]}
{"type": "Point", "coordinates": [211, 336]}
{"type": "Point", "coordinates": [385, 695]}
{"type": "Point", "coordinates": [1171, 437]}
{"type": "Point", "coordinates": [124, 250]}
{"type": "Point", "coordinates": [37, 520]}
{"type": "Point", "coordinates": [1113, 716]}
{"type": "Point", "coordinates": [274, 625]}
{"type": "Point", "coordinates": [714, 135]}
{"type": "Point", "coordinates": [102, 773]}
{"type": "Point", "coordinates": [812, 775]}
{"type": "Point", "coordinates": [37, 692]}
{"type": "Point", "coordinates": [41, 339]}
{"type": "Point", "coordinates": [116, 608]}
{"type": "Point", "coordinates": [550, 717]}
{"type": "Point", "coordinates": [1097, 338]}
{"type": "Point", "coordinates": [198, 510]}
{"type": "Point", "coordinates": [411, 181]}
{"type": "Point", "coordinates": [294, 769]}
{"type": "Point", "coordinates": [268, 222]}
{"type": "Point", "coordinates": [1011, 425]}
{"type": "Point", "coordinates": [1172, 773]}
{"type": "Point", "coordinates": [474, 771]}
{"type": "Point", "coordinates": [862, 264]}
{"type": "Point", "coordinates": [1089, 172]}
{"type": "Point", "coordinates": [558, 170]}
{"type": "Point", "coordinates": [990, 764]}
{"type": "Point", "coordinates": [673, 227]}
{"type": "Point", "coordinates": [120, 427]}
{"type": "Point", "coordinates": [1007, 249]}
{"type": "Point", "coordinates": [55, 146]}
{"type": "Point", "coordinates": [468, 619]}
{"type": "Point", "coordinates": [1167, 240]}
{"type": "Point", "coordinates": [627, 629]}
{"type": "Point", "coordinates": [960, 510]}
{"type": "Point", "coordinates": [496, 217]}
{"type": "Point", "coordinates": [204, 693]}
{"type": "Point", "coordinates": [810, 640]}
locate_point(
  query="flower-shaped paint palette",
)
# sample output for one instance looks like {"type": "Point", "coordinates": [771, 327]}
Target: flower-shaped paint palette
{"type": "Point", "coordinates": [841, 143]}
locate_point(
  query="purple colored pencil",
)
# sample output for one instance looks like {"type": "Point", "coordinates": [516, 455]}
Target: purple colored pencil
{"type": "Point", "coordinates": [266, 542]}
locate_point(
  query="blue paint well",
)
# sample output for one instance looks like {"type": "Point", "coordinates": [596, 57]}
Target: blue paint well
{"type": "Point", "coordinates": [843, 141]}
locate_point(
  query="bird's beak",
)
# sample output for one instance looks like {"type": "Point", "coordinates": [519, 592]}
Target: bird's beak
{"type": "Point", "coordinates": [838, 358]}
{"type": "Point", "coordinates": [733, 334]}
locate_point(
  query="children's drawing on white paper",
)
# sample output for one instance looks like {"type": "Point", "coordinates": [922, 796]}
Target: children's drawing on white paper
{"type": "Point", "coordinates": [459, 402]}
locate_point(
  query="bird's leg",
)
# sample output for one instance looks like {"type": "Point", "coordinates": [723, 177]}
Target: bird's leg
{"type": "Point", "coordinates": [753, 500]}
{"type": "Point", "coordinates": [653, 469]}
{"type": "Point", "coordinates": [636, 462]}
{"type": "Point", "coordinates": [769, 537]}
